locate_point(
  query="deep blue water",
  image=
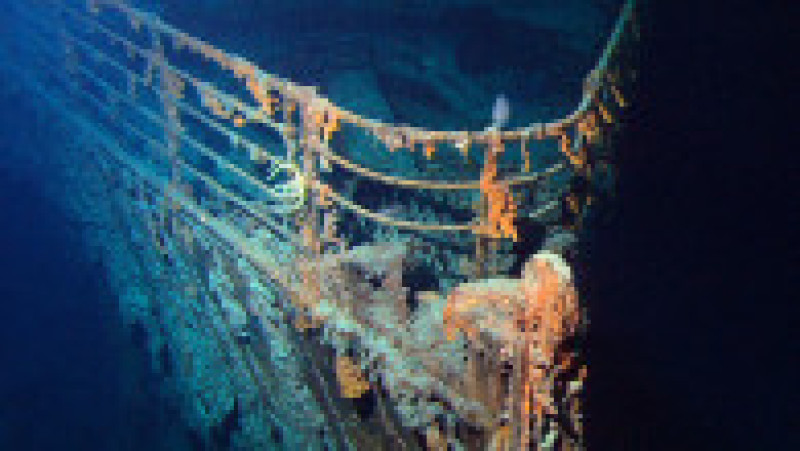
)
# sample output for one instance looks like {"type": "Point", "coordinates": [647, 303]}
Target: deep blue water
{"type": "Point", "coordinates": [61, 384]}
{"type": "Point", "coordinates": [69, 377]}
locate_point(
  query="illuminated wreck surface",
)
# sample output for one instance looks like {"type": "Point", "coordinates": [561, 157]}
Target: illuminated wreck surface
{"type": "Point", "coordinates": [308, 268]}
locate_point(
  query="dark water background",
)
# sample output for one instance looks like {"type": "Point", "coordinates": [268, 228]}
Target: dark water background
{"type": "Point", "coordinates": [69, 378]}
{"type": "Point", "coordinates": [60, 384]}
{"type": "Point", "coordinates": [689, 298]}
{"type": "Point", "coordinates": [695, 281]}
